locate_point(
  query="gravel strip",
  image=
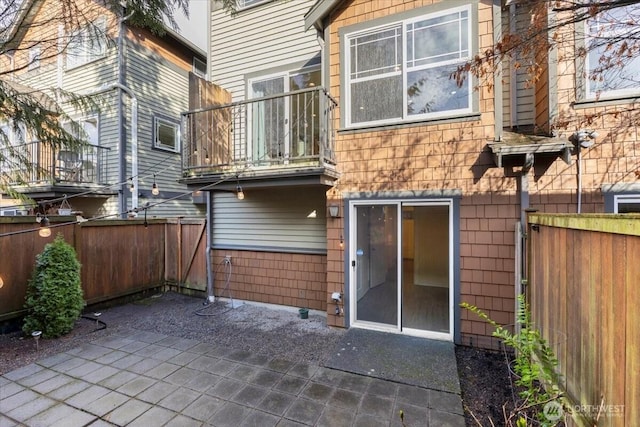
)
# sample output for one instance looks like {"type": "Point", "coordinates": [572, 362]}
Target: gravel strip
{"type": "Point", "coordinates": [274, 331]}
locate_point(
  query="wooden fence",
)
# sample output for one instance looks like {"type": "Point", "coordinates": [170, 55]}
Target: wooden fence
{"type": "Point", "coordinates": [584, 290]}
{"type": "Point", "coordinates": [118, 258]}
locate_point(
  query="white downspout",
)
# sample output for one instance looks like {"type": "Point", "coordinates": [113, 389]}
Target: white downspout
{"type": "Point", "coordinates": [134, 135]}
{"type": "Point", "coordinates": [134, 147]}
{"type": "Point", "coordinates": [210, 297]}
{"type": "Point", "coordinates": [579, 171]}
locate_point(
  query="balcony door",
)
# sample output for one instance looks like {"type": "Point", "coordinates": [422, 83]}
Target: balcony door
{"type": "Point", "coordinates": [269, 120]}
{"type": "Point", "coordinates": [402, 267]}
{"type": "Point", "coordinates": [281, 126]}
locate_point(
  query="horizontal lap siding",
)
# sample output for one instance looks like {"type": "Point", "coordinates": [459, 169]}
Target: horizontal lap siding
{"type": "Point", "coordinates": [268, 220]}
{"type": "Point", "coordinates": [261, 38]}
{"type": "Point", "coordinates": [162, 89]}
{"type": "Point", "coordinates": [89, 78]}
{"type": "Point", "coordinates": [86, 79]}
{"type": "Point", "coordinates": [525, 90]}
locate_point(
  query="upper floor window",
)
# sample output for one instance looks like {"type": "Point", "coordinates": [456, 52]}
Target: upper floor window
{"type": "Point", "coordinates": [85, 129]}
{"type": "Point", "coordinates": [166, 134]}
{"type": "Point", "coordinates": [87, 44]}
{"type": "Point", "coordinates": [34, 58]}
{"type": "Point", "coordinates": [199, 68]}
{"type": "Point", "coordinates": [12, 134]}
{"type": "Point", "coordinates": [612, 63]}
{"type": "Point", "coordinates": [404, 71]}
{"type": "Point", "coordinates": [15, 150]}
{"type": "Point", "coordinates": [243, 4]}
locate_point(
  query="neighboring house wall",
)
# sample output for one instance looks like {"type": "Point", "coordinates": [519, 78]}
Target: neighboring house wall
{"type": "Point", "coordinates": [160, 78]}
{"type": "Point", "coordinates": [157, 73]}
{"type": "Point", "coordinates": [611, 166]}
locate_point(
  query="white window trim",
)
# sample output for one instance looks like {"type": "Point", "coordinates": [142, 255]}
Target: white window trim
{"type": "Point", "coordinates": [609, 94]}
{"type": "Point", "coordinates": [87, 57]}
{"type": "Point", "coordinates": [157, 120]}
{"type": "Point", "coordinates": [286, 76]}
{"type": "Point", "coordinates": [404, 70]}
{"type": "Point", "coordinates": [242, 4]}
{"type": "Point", "coordinates": [625, 198]}
{"type": "Point", "coordinates": [80, 120]}
{"type": "Point", "coordinates": [196, 70]}
{"type": "Point", "coordinates": [34, 58]}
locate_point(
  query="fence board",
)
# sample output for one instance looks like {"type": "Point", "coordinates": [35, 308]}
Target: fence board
{"type": "Point", "coordinates": [118, 257]}
{"type": "Point", "coordinates": [632, 299]}
{"type": "Point", "coordinates": [583, 277]}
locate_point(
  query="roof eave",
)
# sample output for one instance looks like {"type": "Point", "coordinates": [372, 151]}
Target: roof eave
{"type": "Point", "coordinates": [315, 15]}
{"type": "Point", "coordinates": [13, 39]}
{"type": "Point", "coordinates": [184, 41]}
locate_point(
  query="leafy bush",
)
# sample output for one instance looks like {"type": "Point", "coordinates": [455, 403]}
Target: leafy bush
{"type": "Point", "coordinates": [54, 295]}
{"type": "Point", "coordinates": [535, 366]}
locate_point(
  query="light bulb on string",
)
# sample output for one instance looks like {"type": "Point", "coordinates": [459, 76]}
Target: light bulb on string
{"type": "Point", "coordinates": [45, 231]}
{"type": "Point", "coordinates": [154, 188]}
{"type": "Point", "coordinates": [239, 192]}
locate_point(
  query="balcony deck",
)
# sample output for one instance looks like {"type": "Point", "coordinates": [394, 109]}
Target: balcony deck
{"type": "Point", "coordinates": [285, 138]}
{"type": "Point", "coordinates": [39, 169]}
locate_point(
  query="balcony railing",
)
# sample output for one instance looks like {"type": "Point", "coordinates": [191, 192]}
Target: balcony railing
{"type": "Point", "coordinates": [291, 130]}
{"type": "Point", "coordinates": [40, 163]}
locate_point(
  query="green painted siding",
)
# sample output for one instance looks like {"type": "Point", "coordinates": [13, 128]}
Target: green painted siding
{"type": "Point", "coordinates": [271, 220]}
{"type": "Point", "coordinates": [263, 38]}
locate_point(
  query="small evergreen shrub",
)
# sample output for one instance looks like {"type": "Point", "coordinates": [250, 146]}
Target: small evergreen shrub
{"type": "Point", "coordinates": [54, 295]}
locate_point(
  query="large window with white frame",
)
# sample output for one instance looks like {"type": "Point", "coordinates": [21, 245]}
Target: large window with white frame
{"type": "Point", "coordinates": [404, 71]}
{"type": "Point", "coordinates": [612, 63]}
{"type": "Point", "coordinates": [87, 44]}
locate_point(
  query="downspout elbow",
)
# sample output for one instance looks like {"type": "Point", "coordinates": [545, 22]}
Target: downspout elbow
{"type": "Point", "coordinates": [528, 163]}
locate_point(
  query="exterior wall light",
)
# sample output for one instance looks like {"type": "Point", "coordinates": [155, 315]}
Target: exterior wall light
{"type": "Point", "coordinates": [334, 210]}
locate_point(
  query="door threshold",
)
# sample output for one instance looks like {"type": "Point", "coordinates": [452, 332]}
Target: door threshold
{"type": "Point", "coordinates": [418, 333]}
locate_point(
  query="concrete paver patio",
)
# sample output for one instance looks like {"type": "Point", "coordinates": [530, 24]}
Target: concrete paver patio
{"type": "Point", "coordinates": [150, 379]}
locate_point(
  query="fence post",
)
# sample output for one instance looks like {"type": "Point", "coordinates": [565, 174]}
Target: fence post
{"type": "Point", "coordinates": [179, 254]}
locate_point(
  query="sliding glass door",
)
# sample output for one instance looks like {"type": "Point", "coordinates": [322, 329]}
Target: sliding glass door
{"type": "Point", "coordinates": [401, 267]}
